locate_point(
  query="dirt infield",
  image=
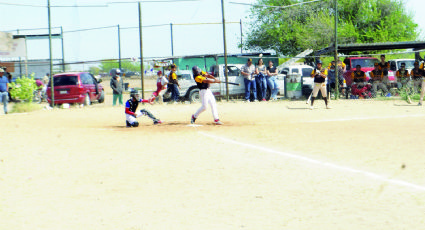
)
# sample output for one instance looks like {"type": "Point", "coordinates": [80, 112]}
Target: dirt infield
{"type": "Point", "coordinates": [273, 165]}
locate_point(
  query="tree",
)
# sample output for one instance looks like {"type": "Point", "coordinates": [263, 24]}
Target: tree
{"type": "Point", "coordinates": [293, 29]}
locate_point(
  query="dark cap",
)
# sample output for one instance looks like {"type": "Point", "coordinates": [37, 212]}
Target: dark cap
{"type": "Point", "coordinates": [173, 66]}
{"type": "Point", "coordinates": [250, 59]}
{"type": "Point", "coordinates": [403, 64]}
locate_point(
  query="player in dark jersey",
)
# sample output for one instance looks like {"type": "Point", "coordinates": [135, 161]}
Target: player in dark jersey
{"type": "Point", "coordinates": [130, 110]}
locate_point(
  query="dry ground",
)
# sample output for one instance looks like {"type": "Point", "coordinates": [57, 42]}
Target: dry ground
{"type": "Point", "coordinates": [276, 165]}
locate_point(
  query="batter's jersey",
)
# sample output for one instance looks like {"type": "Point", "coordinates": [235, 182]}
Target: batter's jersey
{"type": "Point", "coordinates": [317, 77]}
{"type": "Point", "coordinates": [199, 81]}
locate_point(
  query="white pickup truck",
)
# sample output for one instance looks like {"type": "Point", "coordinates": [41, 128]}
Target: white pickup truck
{"type": "Point", "coordinates": [190, 92]}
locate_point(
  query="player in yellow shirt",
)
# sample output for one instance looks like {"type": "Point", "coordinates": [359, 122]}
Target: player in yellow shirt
{"type": "Point", "coordinates": [319, 74]}
{"type": "Point", "coordinates": [203, 81]}
{"type": "Point", "coordinates": [403, 76]}
{"type": "Point", "coordinates": [173, 84]}
{"type": "Point", "coordinates": [417, 73]}
{"type": "Point", "coordinates": [377, 76]}
{"type": "Point", "coordinates": [359, 86]}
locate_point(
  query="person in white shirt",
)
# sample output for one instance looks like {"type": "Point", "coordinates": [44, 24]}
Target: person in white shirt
{"type": "Point", "coordinates": [248, 72]}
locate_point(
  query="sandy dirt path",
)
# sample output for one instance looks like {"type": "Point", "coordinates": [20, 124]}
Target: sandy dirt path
{"type": "Point", "coordinates": [276, 165]}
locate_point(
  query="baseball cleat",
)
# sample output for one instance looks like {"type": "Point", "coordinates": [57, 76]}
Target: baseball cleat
{"type": "Point", "coordinates": [420, 104]}
{"type": "Point", "coordinates": [311, 107]}
{"type": "Point", "coordinates": [218, 122]}
{"type": "Point", "coordinates": [156, 122]}
{"type": "Point", "coordinates": [128, 124]}
{"type": "Point", "coordinates": [328, 107]}
{"type": "Point", "coordinates": [193, 119]}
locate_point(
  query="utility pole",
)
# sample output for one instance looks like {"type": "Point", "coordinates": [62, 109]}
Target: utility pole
{"type": "Point", "coordinates": [336, 52]}
{"type": "Point", "coordinates": [63, 52]}
{"type": "Point", "coordinates": [50, 53]}
{"type": "Point", "coordinates": [141, 49]}
{"type": "Point", "coordinates": [225, 50]}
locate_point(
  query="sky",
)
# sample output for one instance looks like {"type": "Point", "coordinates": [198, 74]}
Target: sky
{"type": "Point", "coordinates": [103, 43]}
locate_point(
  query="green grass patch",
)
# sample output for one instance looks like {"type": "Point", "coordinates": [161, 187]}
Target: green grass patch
{"type": "Point", "coordinates": [25, 107]}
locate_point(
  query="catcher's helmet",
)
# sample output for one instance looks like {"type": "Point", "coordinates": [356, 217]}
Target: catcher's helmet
{"type": "Point", "coordinates": [134, 94]}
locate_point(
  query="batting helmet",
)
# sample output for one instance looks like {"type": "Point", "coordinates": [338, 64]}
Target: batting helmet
{"type": "Point", "coordinates": [196, 71]}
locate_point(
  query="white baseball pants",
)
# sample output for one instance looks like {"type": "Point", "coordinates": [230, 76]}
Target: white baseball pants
{"type": "Point", "coordinates": [321, 87]}
{"type": "Point", "coordinates": [207, 97]}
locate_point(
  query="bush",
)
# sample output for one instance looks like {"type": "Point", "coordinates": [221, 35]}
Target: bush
{"type": "Point", "coordinates": [23, 88]}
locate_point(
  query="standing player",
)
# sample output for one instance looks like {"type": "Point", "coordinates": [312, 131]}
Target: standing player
{"type": "Point", "coordinates": [161, 84]}
{"type": "Point", "coordinates": [203, 81]}
{"type": "Point", "coordinates": [173, 84]}
{"type": "Point", "coordinates": [377, 75]}
{"type": "Point", "coordinates": [384, 67]}
{"type": "Point", "coordinates": [319, 74]}
{"type": "Point", "coordinates": [130, 110]}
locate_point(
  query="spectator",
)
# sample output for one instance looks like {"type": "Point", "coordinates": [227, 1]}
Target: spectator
{"type": "Point", "coordinates": [248, 72]}
{"type": "Point", "coordinates": [116, 86]}
{"type": "Point", "coordinates": [45, 81]}
{"type": "Point", "coordinates": [261, 73]}
{"type": "Point", "coordinates": [377, 81]}
{"type": "Point", "coordinates": [417, 75]}
{"type": "Point", "coordinates": [173, 84]}
{"type": "Point", "coordinates": [4, 90]}
{"type": "Point", "coordinates": [332, 75]}
{"type": "Point", "coordinates": [271, 80]}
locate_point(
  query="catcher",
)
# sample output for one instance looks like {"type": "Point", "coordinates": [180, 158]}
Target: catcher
{"type": "Point", "coordinates": [130, 110]}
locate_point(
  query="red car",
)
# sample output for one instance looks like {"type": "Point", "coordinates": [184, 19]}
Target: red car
{"type": "Point", "coordinates": [76, 87]}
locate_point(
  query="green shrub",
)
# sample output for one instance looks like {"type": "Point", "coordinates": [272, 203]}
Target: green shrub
{"type": "Point", "coordinates": [23, 88]}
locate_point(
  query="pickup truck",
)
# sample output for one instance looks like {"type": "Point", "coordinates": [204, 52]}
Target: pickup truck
{"type": "Point", "coordinates": [190, 92]}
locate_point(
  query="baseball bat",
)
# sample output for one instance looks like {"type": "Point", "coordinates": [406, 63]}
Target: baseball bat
{"type": "Point", "coordinates": [230, 83]}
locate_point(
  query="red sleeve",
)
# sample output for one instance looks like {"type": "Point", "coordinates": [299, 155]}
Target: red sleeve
{"type": "Point", "coordinates": [127, 111]}
{"type": "Point", "coordinates": [145, 100]}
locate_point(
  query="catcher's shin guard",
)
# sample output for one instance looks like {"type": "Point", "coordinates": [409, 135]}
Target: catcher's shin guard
{"type": "Point", "coordinates": [147, 113]}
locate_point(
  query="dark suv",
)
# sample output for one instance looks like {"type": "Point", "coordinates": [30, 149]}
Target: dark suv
{"type": "Point", "coordinates": [78, 87]}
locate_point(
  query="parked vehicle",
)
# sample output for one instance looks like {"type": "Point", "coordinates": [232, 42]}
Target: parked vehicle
{"type": "Point", "coordinates": [396, 63]}
{"type": "Point", "coordinates": [305, 71]}
{"type": "Point", "coordinates": [190, 92]}
{"type": "Point", "coordinates": [76, 87]}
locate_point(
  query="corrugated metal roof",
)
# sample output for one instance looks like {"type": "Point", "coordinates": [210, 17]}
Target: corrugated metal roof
{"type": "Point", "coordinates": [346, 48]}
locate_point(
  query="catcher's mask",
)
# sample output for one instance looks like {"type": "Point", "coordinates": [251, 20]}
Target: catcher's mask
{"type": "Point", "coordinates": [134, 94]}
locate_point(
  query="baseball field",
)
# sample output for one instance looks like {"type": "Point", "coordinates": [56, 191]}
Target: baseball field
{"type": "Point", "coordinates": [272, 165]}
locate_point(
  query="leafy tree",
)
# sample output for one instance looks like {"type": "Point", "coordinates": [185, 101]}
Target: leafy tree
{"type": "Point", "coordinates": [106, 66]}
{"type": "Point", "coordinates": [311, 26]}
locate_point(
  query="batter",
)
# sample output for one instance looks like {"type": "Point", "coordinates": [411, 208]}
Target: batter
{"type": "Point", "coordinates": [203, 81]}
